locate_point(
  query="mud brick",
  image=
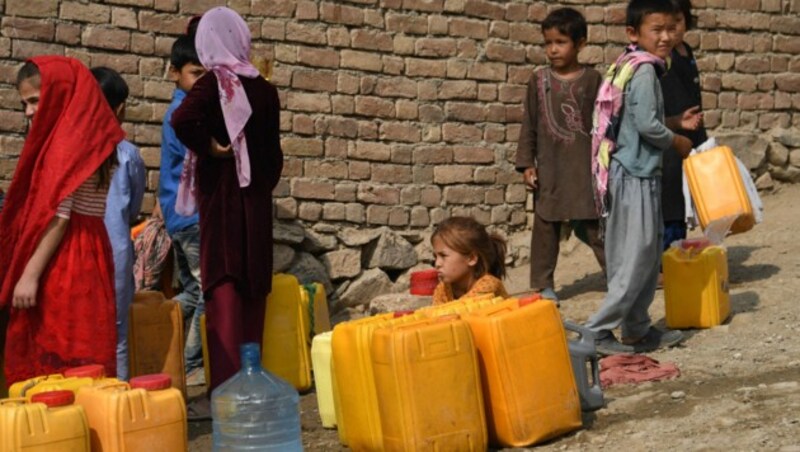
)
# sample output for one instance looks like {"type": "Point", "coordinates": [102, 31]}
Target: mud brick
{"type": "Point", "coordinates": [416, 67]}
{"type": "Point", "coordinates": [787, 44]}
{"type": "Point", "coordinates": [312, 102]}
{"type": "Point", "coordinates": [484, 9]}
{"type": "Point", "coordinates": [314, 80]}
{"type": "Point", "coordinates": [390, 173]}
{"type": "Point", "coordinates": [368, 130]}
{"type": "Point", "coordinates": [452, 174]}
{"type": "Point", "coordinates": [788, 82]}
{"type": "Point", "coordinates": [472, 154]}
{"type": "Point", "coordinates": [358, 170]}
{"type": "Point", "coordinates": [736, 41]}
{"type": "Point", "coordinates": [461, 133]}
{"type": "Point", "coordinates": [435, 47]}
{"type": "Point", "coordinates": [516, 12]}
{"type": "Point", "coordinates": [469, 28]}
{"type": "Point", "coordinates": [406, 23]}
{"type": "Point", "coordinates": [371, 193]}
{"type": "Point", "coordinates": [322, 169]}
{"type": "Point", "coordinates": [461, 89]}
{"type": "Point", "coordinates": [341, 14]}
{"type": "Point", "coordinates": [527, 33]}
{"type": "Point", "coordinates": [106, 38]}
{"type": "Point", "coordinates": [21, 49]}
{"type": "Point", "coordinates": [466, 112]}
{"type": "Point", "coordinates": [312, 189]}
{"type": "Point", "coordinates": [306, 33]}
{"type": "Point", "coordinates": [370, 150]}
{"type": "Point", "coordinates": [499, 29]}
{"type": "Point", "coordinates": [739, 82]}
{"type": "Point", "coordinates": [432, 155]}
{"type": "Point", "coordinates": [457, 68]}
{"type": "Point", "coordinates": [464, 194]}
{"type": "Point", "coordinates": [29, 8]}
{"type": "Point", "coordinates": [311, 56]}
{"type": "Point", "coordinates": [487, 71]}
{"type": "Point", "coordinates": [438, 25]}
{"type": "Point", "coordinates": [505, 52]}
{"type": "Point", "coordinates": [161, 23]}
{"type": "Point", "coordinates": [12, 121]}
{"type": "Point", "coordinates": [374, 107]}
{"type": "Point", "coordinates": [396, 87]}
{"type": "Point", "coordinates": [309, 211]}
{"type": "Point", "coordinates": [365, 61]}
{"type": "Point", "coordinates": [273, 8]}
{"type": "Point", "coordinates": [431, 6]}
{"type": "Point", "coordinates": [343, 105]}
{"type": "Point", "coordinates": [371, 40]}
{"type": "Point", "coordinates": [400, 131]}
{"type": "Point", "coordinates": [34, 29]}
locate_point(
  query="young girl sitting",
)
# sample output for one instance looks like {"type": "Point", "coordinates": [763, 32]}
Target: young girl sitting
{"type": "Point", "coordinates": [470, 261]}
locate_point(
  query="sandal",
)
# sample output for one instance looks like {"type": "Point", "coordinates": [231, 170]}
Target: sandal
{"type": "Point", "coordinates": [198, 410]}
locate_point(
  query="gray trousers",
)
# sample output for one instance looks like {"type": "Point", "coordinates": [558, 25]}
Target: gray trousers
{"type": "Point", "coordinates": [633, 239]}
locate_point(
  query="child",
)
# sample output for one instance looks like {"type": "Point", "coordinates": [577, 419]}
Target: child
{"type": "Point", "coordinates": [184, 231]}
{"type": "Point", "coordinates": [681, 90]}
{"type": "Point", "coordinates": [634, 227]}
{"type": "Point", "coordinates": [230, 121]}
{"type": "Point", "coordinates": [469, 260]}
{"type": "Point", "coordinates": [56, 266]}
{"type": "Point", "coordinates": [554, 149]}
{"type": "Point", "coordinates": [125, 195]}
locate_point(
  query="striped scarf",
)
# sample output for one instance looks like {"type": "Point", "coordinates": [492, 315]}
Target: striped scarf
{"type": "Point", "coordinates": [607, 117]}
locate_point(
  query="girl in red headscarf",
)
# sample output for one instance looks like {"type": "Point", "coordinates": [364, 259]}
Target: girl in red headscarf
{"type": "Point", "coordinates": [56, 267]}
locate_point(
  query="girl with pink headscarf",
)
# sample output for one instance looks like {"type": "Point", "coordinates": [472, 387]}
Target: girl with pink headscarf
{"type": "Point", "coordinates": [230, 121]}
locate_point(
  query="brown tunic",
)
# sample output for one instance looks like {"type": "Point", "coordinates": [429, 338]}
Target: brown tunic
{"type": "Point", "coordinates": [555, 138]}
{"type": "Point", "coordinates": [235, 222]}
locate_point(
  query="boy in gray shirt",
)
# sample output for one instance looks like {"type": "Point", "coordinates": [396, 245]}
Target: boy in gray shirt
{"type": "Point", "coordinates": [634, 227]}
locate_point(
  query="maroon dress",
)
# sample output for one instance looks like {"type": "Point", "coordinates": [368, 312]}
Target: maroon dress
{"type": "Point", "coordinates": [235, 222]}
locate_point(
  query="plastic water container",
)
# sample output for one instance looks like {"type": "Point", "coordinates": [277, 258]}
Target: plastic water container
{"type": "Point", "coordinates": [321, 362]}
{"type": "Point", "coordinates": [145, 415]}
{"type": "Point", "coordinates": [48, 423]}
{"type": "Point", "coordinates": [696, 285]}
{"type": "Point", "coordinates": [583, 354]}
{"type": "Point", "coordinates": [255, 410]}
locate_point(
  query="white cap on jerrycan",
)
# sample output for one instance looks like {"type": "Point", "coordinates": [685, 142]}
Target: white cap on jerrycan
{"type": "Point", "coordinates": [255, 409]}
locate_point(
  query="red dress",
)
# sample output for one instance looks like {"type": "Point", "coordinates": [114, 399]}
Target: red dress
{"type": "Point", "coordinates": [73, 132]}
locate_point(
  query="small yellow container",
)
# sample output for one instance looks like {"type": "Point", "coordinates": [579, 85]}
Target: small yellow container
{"type": "Point", "coordinates": [57, 425]}
{"type": "Point", "coordinates": [71, 380]}
{"type": "Point", "coordinates": [427, 375]}
{"type": "Point", "coordinates": [321, 362]}
{"type": "Point", "coordinates": [696, 287]}
{"type": "Point", "coordinates": [146, 415]}
{"type": "Point", "coordinates": [20, 388]}
{"type": "Point", "coordinates": [528, 384]}
{"type": "Point", "coordinates": [357, 404]}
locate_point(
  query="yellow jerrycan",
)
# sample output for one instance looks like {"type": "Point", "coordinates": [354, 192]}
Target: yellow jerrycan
{"type": "Point", "coordinates": [696, 285]}
{"type": "Point", "coordinates": [50, 422]}
{"type": "Point", "coordinates": [155, 338]}
{"type": "Point", "coordinates": [717, 188]}
{"type": "Point", "coordinates": [71, 380]}
{"type": "Point", "coordinates": [323, 383]}
{"type": "Point", "coordinates": [427, 375]}
{"type": "Point", "coordinates": [145, 415]}
{"type": "Point", "coordinates": [528, 384]}
{"type": "Point", "coordinates": [357, 412]}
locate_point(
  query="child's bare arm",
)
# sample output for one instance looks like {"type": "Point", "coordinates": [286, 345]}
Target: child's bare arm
{"type": "Point", "coordinates": [28, 285]}
{"type": "Point", "coordinates": [682, 144]}
{"type": "Point", "coordinates": [691, 119]}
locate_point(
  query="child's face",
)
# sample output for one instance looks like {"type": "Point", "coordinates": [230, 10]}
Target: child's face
{"type": "Point", "coordinates": [680, 29]}
{"type": "Point", "coordinates": [561, 50]}
{"type": "Point", "coordinates": [29, 93]}
{"type": "Point", "coordinates": [655, 34]}
{"type": "Point", "coordinates": [453, 267]}
{"type": "Point", "coordinates": [186, 76]}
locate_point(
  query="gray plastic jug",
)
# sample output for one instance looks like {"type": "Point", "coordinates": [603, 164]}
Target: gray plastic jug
{"type": "Point", "coordinates": [583, 354]}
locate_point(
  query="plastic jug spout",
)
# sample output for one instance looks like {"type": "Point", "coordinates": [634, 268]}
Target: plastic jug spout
{"type": "Point", "coordinates": [250, 357]}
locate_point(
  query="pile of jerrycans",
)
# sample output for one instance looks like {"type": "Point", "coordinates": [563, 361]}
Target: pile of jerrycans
{"type": "Point", "coordinates": [458, 376]}
{"type": "Point", "coordinates": [82, 410]}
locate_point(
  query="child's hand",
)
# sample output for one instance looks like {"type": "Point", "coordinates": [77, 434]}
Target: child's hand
{"type": "Point", "coordinates": [219, 151]}
{"type": "Point", "coordinates": [682, 144]}
{"type": "Point", "coordinates": [25, 293]}
{"type": "Point", "coordinates": [692, 118]}
{"type": "Point", "coordinates": [531, 178]}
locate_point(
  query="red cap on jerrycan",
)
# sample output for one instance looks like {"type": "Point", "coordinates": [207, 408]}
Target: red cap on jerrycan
{"type": "Point", "coordinates": [529, 299]}
{"type": "Point", "coordinates": [424, 282]}
{"type": "Point", "coordinates": [94, 371]}
{"type": "Point", "coordinates": [153, 382]}
{"type": "Point", "coordinates": [54, 399]}
{"type": "Point", "coordinates": [697, 244]}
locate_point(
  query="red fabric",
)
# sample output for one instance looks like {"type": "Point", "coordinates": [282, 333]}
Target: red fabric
{"type": "Point", "coordinates": [74, 322]}
{"type": "Point", "coordinates": [231, 320]}
{"type": "Point", "coordinates": [72, 133]}
{"type": "Point", "coordinates": [626, 369]}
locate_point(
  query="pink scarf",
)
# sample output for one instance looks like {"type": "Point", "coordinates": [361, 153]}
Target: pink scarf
{"type": "Point", "coordinates": [223, 47]}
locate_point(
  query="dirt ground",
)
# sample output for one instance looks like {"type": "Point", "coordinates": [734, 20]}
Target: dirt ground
{"type": "Point", "coordinates": [739, 387]}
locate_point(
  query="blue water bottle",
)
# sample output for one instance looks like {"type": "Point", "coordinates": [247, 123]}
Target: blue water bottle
{"type": "Point", "coordinates": [255, 410]}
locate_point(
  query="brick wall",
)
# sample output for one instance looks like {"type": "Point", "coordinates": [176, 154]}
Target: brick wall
{"type": "Point", "coordinates": [398, 112]}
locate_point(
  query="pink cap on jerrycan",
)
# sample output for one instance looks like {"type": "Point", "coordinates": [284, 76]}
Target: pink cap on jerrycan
{"type": "Point", "coordinates": [424, 282]}
{"type": "Point", "coordinates": [54, 399]}
{"type": "Point", "coordinates": [529, 299]}
{"type": "Point", "coordinates": [696, 244]}
{"type": "Point", "coordinates": [94, 371]}
{"type": "Point", "coordinates": [153, 382]}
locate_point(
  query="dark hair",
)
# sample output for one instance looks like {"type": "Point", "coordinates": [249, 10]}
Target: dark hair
{"type": "Point", "coordinates": [568, 22]}
{"type": "Point", "coordinates": [191, 27]}
{"type": "Point", "coordinates": [639, 9]}
{"type": "Point", "coordinates": [685, 7]}
{"type": "Point", "coordinates": [112, 84]}
{"type": "Point", "coordinates": [29, 71]}
{"type": "Point", "coordinates": [466, 236]}
{"type": "Point", "coordinates": [183, 52]}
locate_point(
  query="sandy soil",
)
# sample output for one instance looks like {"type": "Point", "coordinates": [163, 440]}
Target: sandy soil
{"type": "Point", "coordinates": [740, 382]}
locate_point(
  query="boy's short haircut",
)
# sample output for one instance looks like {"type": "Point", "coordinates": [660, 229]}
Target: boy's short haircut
{"type": "Point", "coordinates": [183, 52]}
{"type": "Point", "coordinates": [685, 7]}
{"type": "Point", "coordinates": [112, 84]}
{"type": "Point", "coordinates": [639, 9]}
{"type": "Point", "coordinates": [29, 70]}
{"type": "Point", "coordinates": [568, 22]}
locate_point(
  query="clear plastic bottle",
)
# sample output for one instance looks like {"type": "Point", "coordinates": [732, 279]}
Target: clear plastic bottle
{"type": "Point", "coordinates": [255, 410]}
